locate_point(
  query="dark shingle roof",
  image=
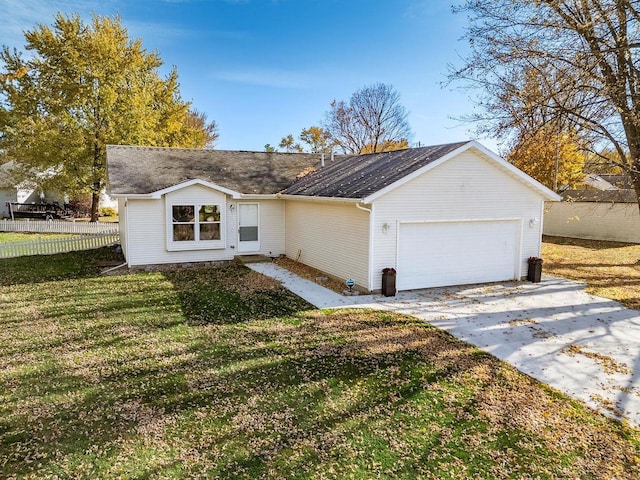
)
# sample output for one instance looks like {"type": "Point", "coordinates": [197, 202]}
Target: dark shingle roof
{"type": "Point", "coordinates": [142, 170]}
{"type": "Point", "coordinates": [359, 176]}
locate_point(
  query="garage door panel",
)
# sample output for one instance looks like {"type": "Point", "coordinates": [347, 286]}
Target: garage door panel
{"type": "Point", "coordinates": [455, 253]}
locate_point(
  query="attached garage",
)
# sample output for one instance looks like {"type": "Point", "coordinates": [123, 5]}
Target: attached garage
{"type": "Point", "coordinates": [435, 254]}
{"type": "Point", "coordinates": [452, 214]}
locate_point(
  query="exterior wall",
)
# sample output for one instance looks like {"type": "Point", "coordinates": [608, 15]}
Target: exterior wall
{"type": "Point", "coordinates": [619, 222]}
{"type": "Point", "coordinates": [33, 196]}
{"type": "Point", "coordinates": [122, 224]}
{"type": "Point", "coordinates": [467, 187]}
{"type": "Point", "coordinates": [6, 195]}
{"type": "Point", "coordinates": [272, 231]}
{"type": "Point", "coordinates": [147, 227]}
{"type": "Point", "coordinates": [332, 237]}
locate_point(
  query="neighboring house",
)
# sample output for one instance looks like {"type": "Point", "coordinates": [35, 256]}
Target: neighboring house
{"type": "Point", "coordinates": [441, 215]}
{"type": "Point", "coordinates": [27, 191]}
{"type": "Point", "coordinates": [13, 190]}
{"type": "Point", "coordinates": [610, 214]}
{"type": "Point", "coordinates": [8, 191]}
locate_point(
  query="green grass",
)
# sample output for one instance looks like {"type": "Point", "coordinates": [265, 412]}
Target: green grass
{"type": "Point", "coordinates": [220, 373]}
{"type": "Point", "coordinates": [610, 269]}
{"type": "Point", "coordinates": [12, 237]}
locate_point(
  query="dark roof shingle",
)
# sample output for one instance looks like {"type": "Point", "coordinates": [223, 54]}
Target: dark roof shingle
{"type": "Point", "coordinates": [143, 170]}
{"type": "Point", "coordinates": [359, 176]}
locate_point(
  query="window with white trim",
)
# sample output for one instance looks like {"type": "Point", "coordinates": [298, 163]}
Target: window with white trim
{"type": "Point", "coordinates": [196, 223]}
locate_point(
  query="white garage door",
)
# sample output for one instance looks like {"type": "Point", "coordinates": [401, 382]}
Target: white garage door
{"type": "Point", "coordinates": [456, 253]}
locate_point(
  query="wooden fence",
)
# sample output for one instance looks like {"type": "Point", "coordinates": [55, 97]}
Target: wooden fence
{"type": "Point", "coordinates": [57, 245]}
{"type": "Point", "coordinates": [57, 226]}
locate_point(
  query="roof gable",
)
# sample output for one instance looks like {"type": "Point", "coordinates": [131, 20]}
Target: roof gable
{"type": "Point", "coordinates": [196, 181]}
{"type": "Point", "coordinates": [360, 176]}
{"type": "Point", "coordinates": [486, 153]}
{"type": "Point", "coordinates": [147, 170]}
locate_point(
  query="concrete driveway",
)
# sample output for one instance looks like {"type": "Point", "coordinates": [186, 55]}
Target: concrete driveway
{"type": "Point", "coordinates": [585, 346]}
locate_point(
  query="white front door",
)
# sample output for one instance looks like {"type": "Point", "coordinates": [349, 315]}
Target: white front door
{"type": "Point", "coordinates": [248, 227]}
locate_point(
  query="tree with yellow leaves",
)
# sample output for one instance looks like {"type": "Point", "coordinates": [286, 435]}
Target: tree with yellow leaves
{"type": "Point", "coordinates": [81, 87]}
{"type": "Point", "coordinates": [551, 157]}
{"type": "Point", "coordinates": [387, 146]}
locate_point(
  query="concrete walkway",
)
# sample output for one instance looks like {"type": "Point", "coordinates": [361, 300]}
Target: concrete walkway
{"type": "Point", "coordinates": [585, 346]}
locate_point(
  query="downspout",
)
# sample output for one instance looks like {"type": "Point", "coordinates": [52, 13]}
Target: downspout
{"type": "Point", "coordinates": [126, 228]}
{"type": "Point", "coordinates": [370, 256]}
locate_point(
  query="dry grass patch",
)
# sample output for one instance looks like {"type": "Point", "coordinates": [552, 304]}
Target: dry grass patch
{"type": "Point", "coordinates": [311, 273]}
{"type": "Point", "coordinates": [610, 269]}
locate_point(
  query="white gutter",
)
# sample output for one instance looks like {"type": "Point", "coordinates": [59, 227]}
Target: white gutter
{"type": "Point", "coordinates": [131, 195]}
{"type": "Point", "coordinates": [370, 256]}
{"type": "Point", "coordinates": [258, 196]}
{"type": "Point", "coordinates": [318, 199]}
{"type": "Point", "coordinates": [363, 208]}
{"type": "Point", "coordinates": [114, 268]}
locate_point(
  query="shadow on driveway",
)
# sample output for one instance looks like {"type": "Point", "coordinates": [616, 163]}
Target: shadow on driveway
{"type": "Point", "coordinates": [585, 346]}
{"type": "Point", "coordinates": [582, 345]}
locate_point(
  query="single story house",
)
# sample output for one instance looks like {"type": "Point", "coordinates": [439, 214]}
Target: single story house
{"type": "Point", "coordinates": [440, 215]}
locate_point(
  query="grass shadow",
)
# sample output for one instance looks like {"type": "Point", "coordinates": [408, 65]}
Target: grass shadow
{"type": "Point", "coordinates": [585, 243]}
{"type": "Point", "coordinates": [231, 293]}
{"type": "Point", "coordinates": [62, 266]}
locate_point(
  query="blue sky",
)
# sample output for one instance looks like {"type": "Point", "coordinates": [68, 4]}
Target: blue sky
{"type": "Point", "coordinates": [266, 68]}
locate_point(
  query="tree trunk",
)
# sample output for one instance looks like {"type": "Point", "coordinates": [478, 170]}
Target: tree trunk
{"type": "Point", "coordinates": [633, 170]}
{"type": "Point", "coordinates": [95, 203]}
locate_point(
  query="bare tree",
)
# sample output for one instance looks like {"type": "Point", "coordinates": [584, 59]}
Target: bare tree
{"type": "Point", "coordinates": [373, 118]}
{"type": "Point", "coordinates": [584, 57]}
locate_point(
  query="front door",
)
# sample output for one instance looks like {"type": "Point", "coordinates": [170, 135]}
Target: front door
{"type": "Point", "coordinates": [248, 226]}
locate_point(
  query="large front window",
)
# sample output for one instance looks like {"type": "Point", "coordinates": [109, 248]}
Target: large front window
{"type": "Point", "coordinates": [195, 223]}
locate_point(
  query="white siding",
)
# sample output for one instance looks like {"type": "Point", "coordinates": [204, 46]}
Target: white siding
{"type": "Point", "coordinates": [272, 233]}
{"type": "Point", "coordinates": [332, 237]}
{"type": "Point", "coordinates": [147, 227]}
{"type": "Point", "coordinates": [467, 187]}
{"type": "Point", "coordinates": [619, 222]}
{"type": "Point", "coordinates": [122, 223]}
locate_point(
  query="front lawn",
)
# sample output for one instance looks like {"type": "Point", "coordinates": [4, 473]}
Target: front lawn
{"type": "Point", "coordinates": [13, 237]}
{"type": "Point", "coordinates": [221, 373]}
{"type": "Point", "coordinates": [610, 269]}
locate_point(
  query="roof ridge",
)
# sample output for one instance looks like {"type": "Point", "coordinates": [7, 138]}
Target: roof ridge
{"type": "Point", "coordinates": [200, 150]}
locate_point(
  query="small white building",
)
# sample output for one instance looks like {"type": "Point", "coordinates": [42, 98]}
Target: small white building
{"type": "Point", "coordinates": [441, 215]}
